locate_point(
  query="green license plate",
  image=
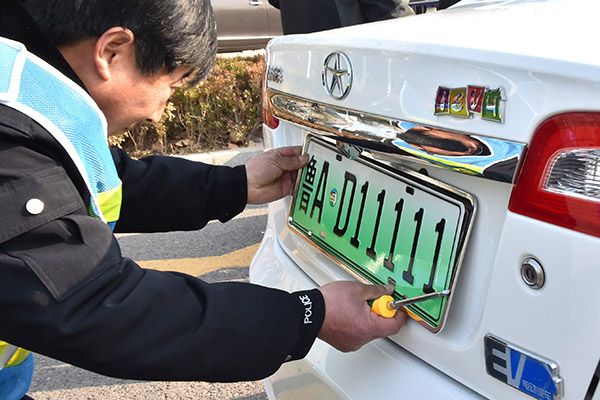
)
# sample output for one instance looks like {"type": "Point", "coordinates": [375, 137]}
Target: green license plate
{"type": "Point", "coordinates": [384, 224]}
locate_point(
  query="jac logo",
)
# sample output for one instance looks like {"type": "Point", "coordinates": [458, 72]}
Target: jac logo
{"type": "Point", "coordinates": [521, 370]}
{"type": "Point", "coordinates": [307, 308]}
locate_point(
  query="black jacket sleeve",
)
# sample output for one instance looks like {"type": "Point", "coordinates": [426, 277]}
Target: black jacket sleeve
{"type": "Point", "coordinates": [67, 292]}
{"type": "Point", "coordinates": [169, 193]}
{"type": "Point", "coordinates": [377, 10]}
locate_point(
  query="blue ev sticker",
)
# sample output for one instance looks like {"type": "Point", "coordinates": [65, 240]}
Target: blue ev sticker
{"type": "Point", "coordinates": [520, 369]}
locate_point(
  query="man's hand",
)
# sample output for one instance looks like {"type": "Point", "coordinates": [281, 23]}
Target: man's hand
{"type": "Point", "coordinates": [349, 322]}
{"type": "Point", "coordinates": [271, 175]}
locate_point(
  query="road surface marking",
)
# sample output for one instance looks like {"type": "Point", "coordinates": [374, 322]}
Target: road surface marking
{"type": "Point", "coordinates": [204, 265]}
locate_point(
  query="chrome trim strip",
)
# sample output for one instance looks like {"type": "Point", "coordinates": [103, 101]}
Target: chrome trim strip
{"type": "Point", "coordinates": [392, 139]}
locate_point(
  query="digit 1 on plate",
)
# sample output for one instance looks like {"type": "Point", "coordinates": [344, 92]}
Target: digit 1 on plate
{"type": "Point", "coordinates": [439, 229]}
{"type": "Point", "coordinates": [408, 275]}
{"type": "Point", "coordinates": [389, 261]}
{"type": "Point", "coordinates": [371, 248]}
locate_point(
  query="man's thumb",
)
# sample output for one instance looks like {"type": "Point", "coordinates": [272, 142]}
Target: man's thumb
{"type": "Point", "coordinates": [292, 163]}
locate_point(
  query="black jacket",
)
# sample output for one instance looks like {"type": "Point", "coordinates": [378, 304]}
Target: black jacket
{"type": "Point", "coordinates": [66, 291]}
{"type": "Point", "coordinates": [305, 16]}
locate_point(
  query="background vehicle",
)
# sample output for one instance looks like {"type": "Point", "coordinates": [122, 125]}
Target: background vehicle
{"type": "Point", "coordinates": [522, 319]}
{"type": "Point", "coordinates": [245, 24]}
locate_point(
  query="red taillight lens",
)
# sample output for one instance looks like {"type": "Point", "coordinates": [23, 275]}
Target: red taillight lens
{"type": "Point", "coordinates": [268, 118]}
{"type": "Point", "coordinates": [559, 180]}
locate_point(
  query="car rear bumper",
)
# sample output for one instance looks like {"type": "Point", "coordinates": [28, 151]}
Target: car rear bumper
{"type": "Point", "coordinates": [381, 369]}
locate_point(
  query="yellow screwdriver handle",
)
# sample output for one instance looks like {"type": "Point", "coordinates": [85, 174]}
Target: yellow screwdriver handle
{"type": "Point", "coordinates": [380, 306]}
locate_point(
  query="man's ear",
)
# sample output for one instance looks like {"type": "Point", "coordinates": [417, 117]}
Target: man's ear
{"type": "Point", "coordinates": [114, 46]}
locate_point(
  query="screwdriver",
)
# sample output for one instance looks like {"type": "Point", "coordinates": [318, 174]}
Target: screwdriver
{"type": "Point", "coordinates": [386, 307]}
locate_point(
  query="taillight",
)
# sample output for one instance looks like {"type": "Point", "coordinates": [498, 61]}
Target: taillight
{"type": "Point", "coordinates": [559, 180]}
{"type": "Point", "coordinates": [268, 118]}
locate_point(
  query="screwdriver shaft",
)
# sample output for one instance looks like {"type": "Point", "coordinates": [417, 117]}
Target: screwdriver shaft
{"type": "Point", "coordinates": [394, 305]}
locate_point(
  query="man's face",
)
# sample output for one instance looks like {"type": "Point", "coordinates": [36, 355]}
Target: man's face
{"type": "Point", "coordinates": [136, 97]}
{"type": "Point", "coordinates": [107, 66]}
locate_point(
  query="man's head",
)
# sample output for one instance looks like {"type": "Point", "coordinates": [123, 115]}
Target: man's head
{"type": "Point", "coordinates": [131, 54]}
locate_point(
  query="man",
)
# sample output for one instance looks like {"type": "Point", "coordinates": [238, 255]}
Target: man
{"type": "Point", "coordinates": [65, 289]}
{"type": "Point", "coordinates": [305, 16]}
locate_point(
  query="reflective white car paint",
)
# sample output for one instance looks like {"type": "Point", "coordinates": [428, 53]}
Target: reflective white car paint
{"type": "Point", "coordinates": [544, 54]}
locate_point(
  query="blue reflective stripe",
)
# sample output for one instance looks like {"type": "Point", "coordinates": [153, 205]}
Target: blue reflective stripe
{"type": "Point", "coordinates": [15, 381]}
{"type": "Point", "coordinates": [8, 56]}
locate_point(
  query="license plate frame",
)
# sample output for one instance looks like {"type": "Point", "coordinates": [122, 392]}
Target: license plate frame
{"type": "Point", "coordinates": [463, 204]}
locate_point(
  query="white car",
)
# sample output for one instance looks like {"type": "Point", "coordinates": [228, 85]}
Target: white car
{"type": "Point", "coordinates": [457, 150]}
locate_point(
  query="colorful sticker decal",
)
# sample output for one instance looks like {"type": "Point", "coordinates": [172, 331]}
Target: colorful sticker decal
{"type": "Point", "coordinates": [458, 102]}
{"type": "Point", "coordinates": [475, 98]}
{"type": "Point", "coordinates": [491, 105]}
{"type": "Point", "coordinates": [466, 101]}
{"type": "Point", "coordinates": [442, 101]}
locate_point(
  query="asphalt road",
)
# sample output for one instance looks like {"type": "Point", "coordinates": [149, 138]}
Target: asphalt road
{"type": "Point", "coordinates": [216, 253]}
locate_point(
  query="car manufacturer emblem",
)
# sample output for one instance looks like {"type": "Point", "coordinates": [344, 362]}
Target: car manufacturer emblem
{"type": "Point", "coordinates": [337, 75]}
{"type": "Point", "coordinates": [522, 370]}
{"type": "Point", "coordinates": [470, 100]}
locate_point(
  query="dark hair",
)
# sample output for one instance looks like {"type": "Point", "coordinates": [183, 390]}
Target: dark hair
{"type": "Point", "coordinates": [168, 33]}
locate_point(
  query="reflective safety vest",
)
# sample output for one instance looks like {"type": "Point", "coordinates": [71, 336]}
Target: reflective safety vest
{"type": "Point", "coordinates": [35, 88]}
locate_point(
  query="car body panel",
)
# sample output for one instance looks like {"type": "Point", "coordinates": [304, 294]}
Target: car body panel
{"type": "Point", "coordinates": [245, 24]}
{"type": "Point", "coordinates": [525, 48]}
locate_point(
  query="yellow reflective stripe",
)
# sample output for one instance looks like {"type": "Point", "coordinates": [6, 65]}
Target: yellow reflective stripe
{"type": "Point", "coordinates": [17, 358]}
{"type": "Point", "coordinates": [110, 203]}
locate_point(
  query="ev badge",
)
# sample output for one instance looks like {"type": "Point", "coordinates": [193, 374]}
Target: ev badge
{"type": "Point", "coordinates": [337, 75]}
{"type": "Point", "coordinates": [525, 372]}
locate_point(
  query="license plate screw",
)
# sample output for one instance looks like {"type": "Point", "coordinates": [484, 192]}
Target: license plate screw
{"type": "Point", "coordinates": [322, 234]}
